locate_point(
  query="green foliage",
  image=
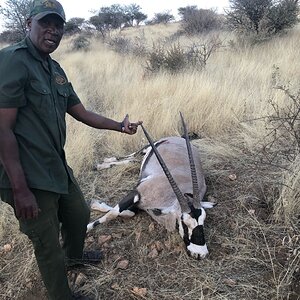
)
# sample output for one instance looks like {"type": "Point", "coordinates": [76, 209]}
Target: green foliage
{"type": "Point", "coordinates": [81, 43]}
{"type": "Point", "coordinates": [73, 26]}
{"type": "Point", "coordinates": [284, 122]}
{"type": "Point", "coordinates": [15, 14]}
{"type": "Point", "coordinates": [195, 21]}
{"type": "Point", "coordinates": [176, 58]}
{"type": "Point", "coordinates": [123, 45]}
{"type": "Point", "coordinates": [262, 17]}
{"type": "Point", "coordinates": [117, 16]}
{"type": "Point", "coordinates": [11, 37]}
{"type": "Point", "coordinates": [133, 15]}
{"type": "Point", "coordinates": [162, 17]}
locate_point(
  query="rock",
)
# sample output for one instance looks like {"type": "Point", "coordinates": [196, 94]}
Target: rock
{"type": "Point", "coordinates": [230, 282]}
{"type": "Point", "coordinates": [232, 177]}
{"type": "Point", "coordinates": [115, 286]}
{"type": "Point", "coordinates": [142, 292]}
{"type": "Point", "coordinates": [153, 253]}
{"type": "Point", "coordinates": [159, 246]}
{"type": "Point", "coordinates": [7, 248]}
{"type": "Point", "coordinates": [80, 279]}
{"type": "Point", "coordinates": [168, 244]}
{"type": "Point", "coordinates": [151, 227]}
{"type": "Point", "coordinates": [102, 239]}
{"type": "Point", "coordinates": [123, 264]}
{"type": "Point", "coordinates": [117, 235]}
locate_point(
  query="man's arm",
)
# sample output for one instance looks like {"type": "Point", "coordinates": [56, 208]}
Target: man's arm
{"type": "Point", "coordinates": [25, 202]}
{"type": "Point", "coordinates": [92, 119]}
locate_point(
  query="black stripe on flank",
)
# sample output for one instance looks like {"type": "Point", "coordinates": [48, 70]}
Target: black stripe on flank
{"type": "Point", "coordinates": [197, 237]}
{"type": "Point", "coordinates": [127, 202]}
{"type": "Point", "coordinates": [156, 211]}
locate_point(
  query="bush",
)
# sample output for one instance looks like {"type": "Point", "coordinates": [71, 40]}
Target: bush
{"type": "Point", "coordinates": [163, 17]}
{"type": "Point", "coordinates": [80, 43]}
{"type": "Point", "coordinates": [284, 123]}
{"type": "Point", "coordinates": [11, 37]}
{"type": "Point", "coordinates": [175, 59]}
{"type": "Point", "coordinates": [136, 46]}
{"type": "Point", "coordinates": [195, 21]}
{"type": "Point", "coordinates": [262, 17]}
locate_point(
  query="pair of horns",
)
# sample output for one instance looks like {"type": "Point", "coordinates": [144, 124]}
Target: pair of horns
{"type": "Point", "coordinates": [173, 184]}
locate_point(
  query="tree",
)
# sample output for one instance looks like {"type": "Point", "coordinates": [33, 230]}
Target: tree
{"type": "Point", "coordinates": [100, 24]}
{"type": "Point", "coordinates": [15, 14]}
{"type": "Point", "coordinates": [258, 16]}
{"type": "Point", "coordinates": [162, 17]}
{"type": "Point", "coordinates": [73, 26]}
{"type": "Point", "coordinates": [133, 15]}
{"type": "Point", "coordinates": [187, 10]}
{"type": "Point", "coordinates": [284, 15]}
{"type": "Point", "coordinates": [196, 20]}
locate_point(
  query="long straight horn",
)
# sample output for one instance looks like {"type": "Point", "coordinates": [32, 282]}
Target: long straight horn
{"type": "Point", "coordinates": [173, 184]}
{"type": "Point", "coordinates": [196, 193]}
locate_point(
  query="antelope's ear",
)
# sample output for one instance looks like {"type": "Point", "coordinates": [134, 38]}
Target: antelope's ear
{"type": "Point", "coordinates": [207, 204]}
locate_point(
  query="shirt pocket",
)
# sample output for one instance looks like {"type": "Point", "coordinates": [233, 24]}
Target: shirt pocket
{"type": "Point", "coordinates": [39, 97]}
{"type": "Point", "coordinates": [63, 92]}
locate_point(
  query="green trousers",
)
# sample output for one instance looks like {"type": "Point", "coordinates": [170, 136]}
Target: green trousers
{"type": "Point", "coordinates": [66, 214]}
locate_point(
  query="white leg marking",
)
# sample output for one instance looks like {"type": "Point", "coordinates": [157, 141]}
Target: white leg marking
{"type": "Point", "coordinates": [96, 205]}
{"type": "Point", "coordinates": [111, 215]}
{"type": "Point", "coordinates": [127, 214]}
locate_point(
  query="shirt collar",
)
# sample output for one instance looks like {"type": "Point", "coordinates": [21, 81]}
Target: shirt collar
{"type": "Point", "coordinates": [32, 49]}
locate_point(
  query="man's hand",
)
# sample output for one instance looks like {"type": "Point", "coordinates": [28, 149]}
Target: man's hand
{"type": "Point", "coordinates": [25, 204]}
{"type": "Point", "coordinates": [128, 127]}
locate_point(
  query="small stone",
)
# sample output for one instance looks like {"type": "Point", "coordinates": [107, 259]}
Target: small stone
{"type": "Point", "coordinates": [80, 279]}
{"type": "Point", "coordinates": [7, 248]}
{"type": "Point", "coordinates": [142, 292]}
{"type": "Point", "coordinates": [102, 239]}
{"type": "Point", "coordinates": [123, 264]}
{"type": "Point", "coordinates": [168, 244]}
{"type": "Point", "coordinates": [232, 177]}
{"type": "Point", "coordinates": [153, 253]}
{"type": "Point", "coordinates": [151, 227]}
{"type": "Point", "coordinates": [117, 235]}
{"type": "Point", "coordinates": [115, 286]}
{"type": "Point", "coordinates": [159, 246]}
{"type": "Point", "coordinates": [230, 282]}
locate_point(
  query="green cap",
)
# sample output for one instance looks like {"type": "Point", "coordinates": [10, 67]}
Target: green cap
{"type": "Point", "coordinates": [41, 8]}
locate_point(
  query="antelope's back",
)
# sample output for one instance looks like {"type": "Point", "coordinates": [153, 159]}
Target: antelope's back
{"type": "Point", "coordinates": [154, 187]}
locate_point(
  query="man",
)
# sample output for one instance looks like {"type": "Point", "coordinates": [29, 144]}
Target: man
{"type": "Point", "coordinates": [35, 179]}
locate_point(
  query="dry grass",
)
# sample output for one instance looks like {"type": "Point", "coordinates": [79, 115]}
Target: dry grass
{"type": "Point", "coordinates": [253, 234]}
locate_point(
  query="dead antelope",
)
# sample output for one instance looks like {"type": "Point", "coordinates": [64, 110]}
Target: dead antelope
{"type": "Point", "coordinates": [171, 188]}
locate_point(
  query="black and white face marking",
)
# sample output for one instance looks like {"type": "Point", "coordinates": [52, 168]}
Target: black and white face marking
{"type": "Point", "coordinates": [191, 231]}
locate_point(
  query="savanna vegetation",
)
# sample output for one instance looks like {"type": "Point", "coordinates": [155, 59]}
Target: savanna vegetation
{"type": "Point", "coordinates": [240, 97]}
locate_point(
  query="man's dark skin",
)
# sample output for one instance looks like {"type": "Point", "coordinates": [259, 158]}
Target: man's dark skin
{"type": "Point", "coordinates": [46, 35]}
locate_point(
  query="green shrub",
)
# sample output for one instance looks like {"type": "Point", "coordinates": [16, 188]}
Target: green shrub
{"type": "Point", "coordinates": [175, 58]}
{"type": "Point", "coordinates": [81, 43]}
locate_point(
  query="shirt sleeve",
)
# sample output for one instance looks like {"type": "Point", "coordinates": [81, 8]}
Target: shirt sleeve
{"type": "Point", "coordinates": [13, 77]}
{"type": "Point", "coordinates": [73, 98]}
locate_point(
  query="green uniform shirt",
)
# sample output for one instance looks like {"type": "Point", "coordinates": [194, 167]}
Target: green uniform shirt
{"type": "Point", "coordinates": [41, 92]}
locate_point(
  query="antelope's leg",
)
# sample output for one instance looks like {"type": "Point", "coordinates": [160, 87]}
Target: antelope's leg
{"type": "Point", "coordinates": [127, 207]}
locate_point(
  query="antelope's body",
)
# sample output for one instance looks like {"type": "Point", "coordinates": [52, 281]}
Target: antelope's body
{"type": "Point", "coordinates": [170, 189]}
{"type": "Point", "coordinates": [154, 188]}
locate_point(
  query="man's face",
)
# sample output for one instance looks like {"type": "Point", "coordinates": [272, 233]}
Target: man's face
{"type": "Point", "coordinates": [46, 33]}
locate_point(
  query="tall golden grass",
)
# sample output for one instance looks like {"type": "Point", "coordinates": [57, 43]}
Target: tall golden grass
{"type": "Point", "coordinates": [255, 254]}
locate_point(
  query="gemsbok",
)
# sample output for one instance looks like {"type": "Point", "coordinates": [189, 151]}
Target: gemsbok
{"type": "Point", "coordinates": [170, 189]}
